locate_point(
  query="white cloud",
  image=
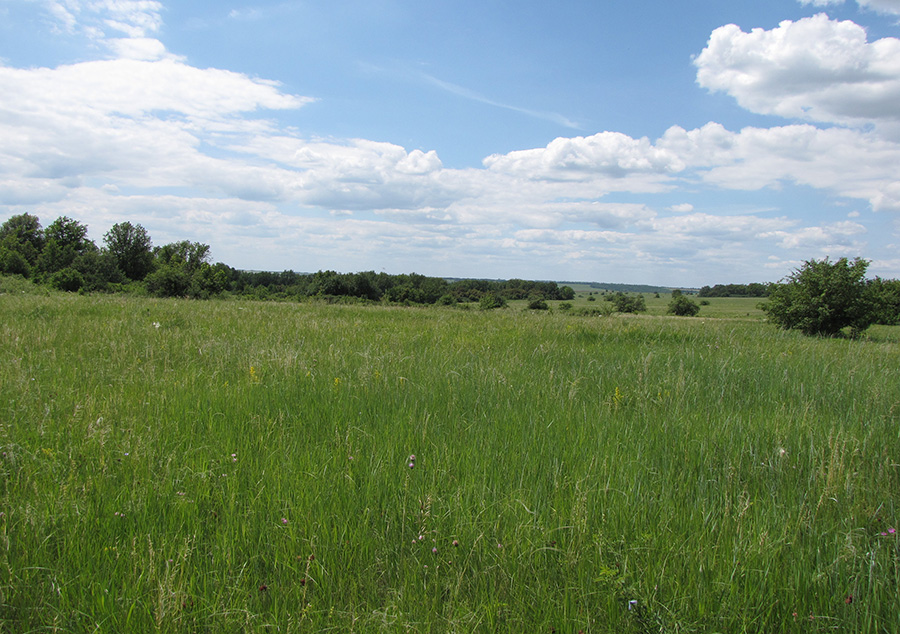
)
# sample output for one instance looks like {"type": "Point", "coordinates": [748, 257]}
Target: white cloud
{"type": "Point", "coordinates": [106, 21]}
{"type": "Point", "coordinates": [846, 162]}
{"type": "Point", "coordinates": [881, 6]}
{"type": "Point", "coordinates": [189, 153]}
{"type": "Point", "coordinates": [607, 154]}
{"type": "Point", "coordinates": [815, 68]}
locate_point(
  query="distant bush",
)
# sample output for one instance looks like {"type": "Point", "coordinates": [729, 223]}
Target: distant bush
{"type": "Point", "coordinates": [682, 306]}
{"type": "Point", "coordinates": [538, 304]}
{"type": "Point", "coordinates": [628, 303]}
{"type": "Point", "coordinates": [565, 306]}
{"type": "Point", "coordinates": [490, 301]}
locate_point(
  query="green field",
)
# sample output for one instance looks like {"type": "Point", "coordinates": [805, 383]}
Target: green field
{"type": "Point", "coordinates": [227, 466]}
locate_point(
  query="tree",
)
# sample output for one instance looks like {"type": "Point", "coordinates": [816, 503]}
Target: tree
{"type": "Point", "coordinates": [627, 303]}
{"type": "Point", "coordinates": [20, 235]}
{"type": "Point", "coordinates": [68, 233]}
{"type": "Point", "coordinates": [491, 300]}
{"type": "Point", "coordinates": [682, 306]}
{"type": "Point", "coordinates": [886, 295]}
{"type": "Point", "coordinates": [823, 297]}
{"type": "Point", "coordinates": [132, 248]}
{"type": "Point", "coordinates": [185, 254]}
{"type": "Point", "coordinates": [65, 240]}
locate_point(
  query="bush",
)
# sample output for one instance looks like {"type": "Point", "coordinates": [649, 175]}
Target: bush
{"type": "Point", "coordinates": [682, 306]}
{"type": "Point", "coordinates": [628, 303]}
{"type": "Point", "coordinates": [538, 304]}
{"type": "Point", "coordinates": [823, 297]}
{"type": "Point", "coordinates": [67, 279]}
{"type": "Point", "coordinates": [491, 300]}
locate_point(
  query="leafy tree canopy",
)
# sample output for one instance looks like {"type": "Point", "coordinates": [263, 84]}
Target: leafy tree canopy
{"type": "Point", "coordinates": [824, 297]}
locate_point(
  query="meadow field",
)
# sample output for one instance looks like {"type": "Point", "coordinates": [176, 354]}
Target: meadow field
{"type": "Point", "coordinates": [228, 466]}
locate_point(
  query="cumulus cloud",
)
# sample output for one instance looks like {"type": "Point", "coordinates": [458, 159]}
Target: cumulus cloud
{"type": "Point", "coordinates": [846, 162]}
{"type": "Point", "coordinates": [113, 139]}
{"type": "Point", "coordinates": [607, 154]}
{"type": "Point", "coordinates": [816, 68]}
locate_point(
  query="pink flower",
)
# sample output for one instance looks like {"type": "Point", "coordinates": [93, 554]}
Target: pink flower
{"type": "Point", "coordinates": [892, 530]}
{"type": "Point", "coordinates": [284, 520]}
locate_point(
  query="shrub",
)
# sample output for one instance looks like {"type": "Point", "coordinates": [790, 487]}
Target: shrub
{"type": "Point", "coordinates": [823, 297]}
{"type": "Point", "coordinates": [538, 304]}
{"type": "Point", "coordinates": [491, 300]}
{"type": "Point", "coordinates": [628, 303]}
{"type": "Point", "coordinates": [681, 306]}
{"type": "Point", "coordinates": [68, 279]}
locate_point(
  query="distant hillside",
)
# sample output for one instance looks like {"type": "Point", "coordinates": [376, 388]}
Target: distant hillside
{"type": "Point", "coordinates": [624, 288]}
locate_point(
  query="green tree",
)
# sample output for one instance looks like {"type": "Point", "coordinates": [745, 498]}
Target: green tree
{"type": "Point", "coordinates": [187, 255]}
{"type": "Point", "coordinates": [491, 300]}
{"type": "Point", "coordinates": [823, 297]}
{"type": "Point", "coordinates": [628, 303]}
{"type": "Point", "coordinates": [132, 248]}
{"type": "Point", "coordinates": [886, 295]}
{"type": "Point", "coordinates": [22, 235]}
{"type": "Point", "coordinates": [682, 306]}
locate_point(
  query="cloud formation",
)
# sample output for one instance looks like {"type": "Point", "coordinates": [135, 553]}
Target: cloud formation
{"type": "Point", "coordinates": [816, 69]}
{"type": "Point", "coordinates": [144, 135]}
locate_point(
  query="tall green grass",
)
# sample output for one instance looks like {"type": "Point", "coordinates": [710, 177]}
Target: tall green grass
{"type": "Point", "coordinates": [233, 466]}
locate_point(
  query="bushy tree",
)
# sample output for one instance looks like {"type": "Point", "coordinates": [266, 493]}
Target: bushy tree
{"type": "Point", "coordinates": [491, 300]}
{"type": "Point", "coordinates": [886, 295]}
{"type": "Point", "coordinates": [21, 242]}
{"type": "Point", "coordinates": [628, 303]}
{"type": "Point", "coordinates": [823, 297]}
{"type": "Point", "coordinates": [682, 306]}
{"type": "Point", "coordinates": [132, 248]}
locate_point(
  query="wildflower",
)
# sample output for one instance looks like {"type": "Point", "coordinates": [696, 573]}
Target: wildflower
{"type": "Point", "coordinates": [455, 543]}
{"type": "Point", "coordinates": [284, 520]}
{"type": "Point", "coordinates": [263, 588]}
{"type": "Point", "coordinates": [155, 324]}
{"type": "Point", "coordinates": [849, 599]}
{"type": "Point", "coordinates": [892, 531]}
{"type": "Point", "coordinates": [412, 464]}
{"type": "Point", "coordinates": [412, 458]}
{"type": "Point", "coordinates": [434, 550]}
{"type": "Point", "coordinates": [499, 545]}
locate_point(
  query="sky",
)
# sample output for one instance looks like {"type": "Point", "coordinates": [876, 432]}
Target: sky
{"type": "Point", "coordinates": [651, 142]}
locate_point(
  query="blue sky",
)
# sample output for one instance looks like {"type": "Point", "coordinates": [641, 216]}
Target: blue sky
{"type": "Point", "coordinates": [687, 143]}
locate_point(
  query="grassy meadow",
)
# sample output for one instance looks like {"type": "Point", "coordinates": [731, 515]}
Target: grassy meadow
{"type": "Point", "coordinates": [226, 466]}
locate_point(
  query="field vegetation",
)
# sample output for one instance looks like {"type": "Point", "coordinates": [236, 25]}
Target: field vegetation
{"type": "Point", "coordinates": [240, 466]}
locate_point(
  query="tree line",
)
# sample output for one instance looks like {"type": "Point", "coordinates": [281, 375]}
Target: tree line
{"type": "Point", "coordinates": [754, 289]}
{"type": "Point", "coordinates": [61, 256]}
